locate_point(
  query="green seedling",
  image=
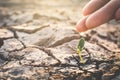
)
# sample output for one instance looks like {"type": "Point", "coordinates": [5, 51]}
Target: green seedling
{"type": "Point", "coordinates": [80, 47]}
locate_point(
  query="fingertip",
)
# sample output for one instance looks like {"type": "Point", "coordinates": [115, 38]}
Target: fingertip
{"type": "Point", "coordinates": [85, 11]}
{"type": "Point", "coordinates": [91, 22]}
{"type": "Point", "coordinates": [81, 25]}
{"type": "Point", "coordinates": [80, 28]}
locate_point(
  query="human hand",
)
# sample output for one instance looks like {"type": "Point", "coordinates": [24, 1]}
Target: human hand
{"type": "Point", "coordinates": [98, 12]}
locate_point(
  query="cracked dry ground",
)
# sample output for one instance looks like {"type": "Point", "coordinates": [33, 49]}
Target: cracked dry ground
{"type": "Point", "coordinates": [40, 44]}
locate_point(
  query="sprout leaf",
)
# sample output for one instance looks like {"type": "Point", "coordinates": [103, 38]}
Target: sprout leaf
{"type": "Point", "coordinates": [81, 44]}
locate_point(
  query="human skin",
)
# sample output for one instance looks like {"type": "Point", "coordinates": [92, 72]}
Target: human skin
{"type": "Point", "coordinates": [98, 12]}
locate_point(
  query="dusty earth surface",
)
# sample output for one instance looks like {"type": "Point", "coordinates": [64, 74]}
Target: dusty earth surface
{"type": "Point", "coordinates": [38, 41]}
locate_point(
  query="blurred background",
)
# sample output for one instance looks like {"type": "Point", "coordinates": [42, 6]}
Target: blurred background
{"type": "Point", "coordinates": [17, 12]}
{"type": "Point", "coordinates": [41, 2]}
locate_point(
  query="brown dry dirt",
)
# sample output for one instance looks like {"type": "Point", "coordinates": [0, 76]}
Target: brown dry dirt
{"type": "Point", "coordinates": [38, 41]}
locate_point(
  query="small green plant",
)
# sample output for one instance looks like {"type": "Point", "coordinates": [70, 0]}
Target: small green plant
{"type": "Point", "coordinates": [80, 47]}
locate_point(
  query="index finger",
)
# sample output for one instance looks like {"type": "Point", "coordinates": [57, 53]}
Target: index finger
{"type": "Point", "coordinates": [93, 5]}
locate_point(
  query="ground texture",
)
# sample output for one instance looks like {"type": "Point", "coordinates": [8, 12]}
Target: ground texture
{"type": "Point", "coordinates": [38, 41]}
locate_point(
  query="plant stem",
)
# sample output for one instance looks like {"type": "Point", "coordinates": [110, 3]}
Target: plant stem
{"type": "Point", "coordinates": [80, 55]}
